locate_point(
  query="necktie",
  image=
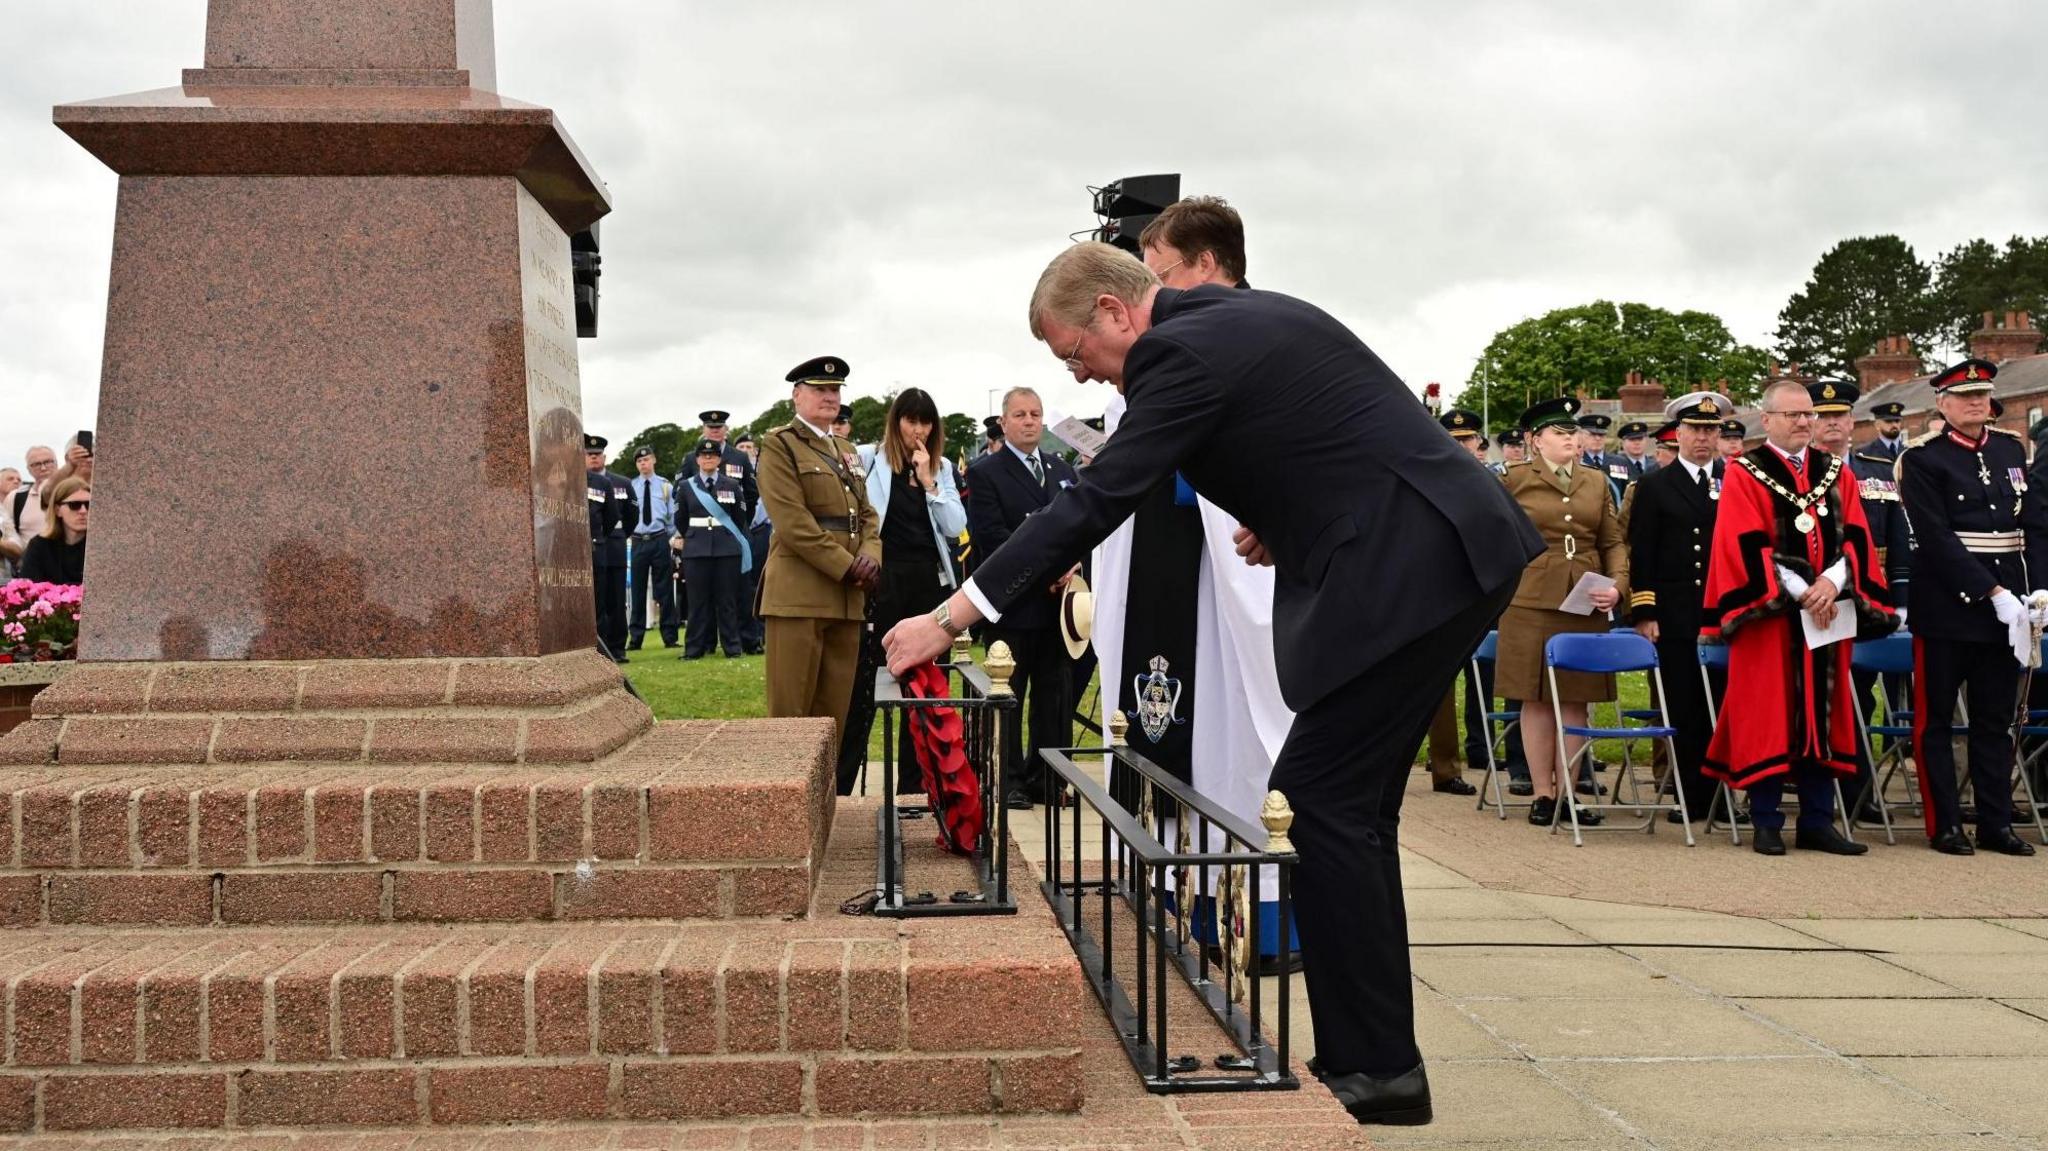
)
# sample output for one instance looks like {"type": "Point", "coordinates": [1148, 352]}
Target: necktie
{"type": "Point", "coordinates": [646, 503]}
{"type": "Point", "coordinates": [1798, 463]}
{"type": "Point", "coordinates": [1037, 470]}
{"type": "Point", "coordinates": [1565, 474]}
{"type": "Point", "coordinates": [1701, 478]}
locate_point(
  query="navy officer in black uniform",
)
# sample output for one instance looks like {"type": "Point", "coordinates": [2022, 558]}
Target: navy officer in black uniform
{"type": "Point", "coordinates": [1670, 536]}
{"type": "Point", "coordinates": [612, 516]}
{"type": "Point", "coordinates": [1392, 553]}
{"type": "Point", "coordinates": [733, 463]}
{"type": "Point", "coordinates": [1980, 556]}
{"type": "Point", "coordinates": [716, 552]}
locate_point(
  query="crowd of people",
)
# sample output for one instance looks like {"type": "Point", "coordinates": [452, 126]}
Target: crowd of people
{"type": "Point", "coordinates": [44, 514]}
{"type": "Point", "coordinates": [1717, 543]}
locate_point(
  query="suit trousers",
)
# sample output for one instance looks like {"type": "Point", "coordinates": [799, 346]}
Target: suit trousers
{"type": "Point", "coordinates": [1343, 769]}
{"type": "Point", "coordinates": [1685, 708]}
{"type": "Point", "coordinates": [1443, 738]}
{"type": "Point", "coordinates": [714, 604]}
{"type": "Point", "coordinates": [1988, 672]}
{"type": "Point", "coordinates": [1816, 786]}
{"type": "Point", "coordinates": [654, 571]}
{"type": "Point", "coordinates": [1043, 702]}
{"type": "Point", "coordinates": [810, 666]}
{"type": "Point", "coordinates": [608, 589]}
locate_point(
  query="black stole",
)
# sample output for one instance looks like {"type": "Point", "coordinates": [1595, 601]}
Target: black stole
{"type": "Point", "coordinates": [1156, 692]}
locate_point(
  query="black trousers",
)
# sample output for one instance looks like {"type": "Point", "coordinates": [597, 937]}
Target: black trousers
{"type": "Point", "coordinates": [1685, 705]}
{"type": "Point", "coordinates": [654, 570]}
{"type": "Point", "coordinates": [1342, 769]}
{"type": "Point", "coordinates": [908, 589]}
{"type": "Point", "coordinates": [714, 604]}
{"type": "Point", "coordinates": [1044, 700]}
{"type": "Point", "coordinates": [608, 589]}
{"type": "Point", "coordinates": [1991, 677]}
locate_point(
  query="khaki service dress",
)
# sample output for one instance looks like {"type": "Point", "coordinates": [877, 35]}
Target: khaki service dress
{"type": "Point", "coordinates": [1582, 527]}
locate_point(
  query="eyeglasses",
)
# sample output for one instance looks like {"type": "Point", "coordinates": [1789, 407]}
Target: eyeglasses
{"type": "Point", "coordinates": [1161, 273]}
{"type": "Point", "coordinates": [1073, 359]}
{"type": "Point", "coordinates": [76, 505]}
{"type": "Point", "coordinates": [1796, 417]}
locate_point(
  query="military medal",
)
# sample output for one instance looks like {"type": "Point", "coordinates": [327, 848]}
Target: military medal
{"type": "Point", "coordinates": [1803, 522]}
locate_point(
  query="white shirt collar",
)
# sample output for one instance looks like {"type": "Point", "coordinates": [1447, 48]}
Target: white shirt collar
{"type": "Point", "coordinates": [1027, 457]}
{"type": "Point", "coordinates": [1788, 456]}
{"type": "Point", "coordinates": [1695, 470]}
{"type": "Point", "coordinates": [817, 431]}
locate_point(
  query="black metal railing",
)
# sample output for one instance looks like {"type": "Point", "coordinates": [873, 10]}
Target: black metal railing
{"type": "Point", "coordinates": [986, 704]}
{"type": "Point", "coordinates": [1134, 881]}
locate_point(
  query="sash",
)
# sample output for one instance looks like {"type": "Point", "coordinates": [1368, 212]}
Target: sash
{"type": "Point", "coordinates": [717, 511]}
{"type": "Point", "coordinates": [1156, 688]}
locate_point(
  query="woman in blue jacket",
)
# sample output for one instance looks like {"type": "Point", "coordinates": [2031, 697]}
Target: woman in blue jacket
{"type": "Point", "coordinates": [911, 485]}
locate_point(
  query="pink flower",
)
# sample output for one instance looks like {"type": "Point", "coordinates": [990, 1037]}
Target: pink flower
{"type": "Point", "coordinates": [14, 631]}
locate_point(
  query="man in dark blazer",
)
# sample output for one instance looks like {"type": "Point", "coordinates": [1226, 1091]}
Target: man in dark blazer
{"type": "Point", "coordinates": [1393, 553]}
{"type": "Point", "coordinates": [1003, 487]}
{"type": "Point", "coordinates": [1670, 536]}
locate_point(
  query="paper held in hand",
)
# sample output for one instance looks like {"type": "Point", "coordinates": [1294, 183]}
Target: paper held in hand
{"type": "Point", "coordinates": [1075, 434]}
{"type": "Point", "coordinates": [1580, 601]}
{"type": "Point", "coordinates": [1843, 628]}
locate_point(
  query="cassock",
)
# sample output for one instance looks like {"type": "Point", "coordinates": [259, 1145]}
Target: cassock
{"type": "Point", "coordinates": [1781, 694]}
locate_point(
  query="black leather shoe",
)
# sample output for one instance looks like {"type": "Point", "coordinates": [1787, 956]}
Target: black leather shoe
{"type": "Point", "coordinates": [1454, 786]}
{"type": "Point", "coordinates": [1767, 841]}
{"type": "Point", "coordinates": [1587, 785]}
{"type": "Point", "coordinates": [1586, 818]}
{"type": "Point", "coordinates": [2004, 841]}
{"type": "Point", "coordinates": [620, 658]}
{"type": "Point", "coordinates": [1543, 811]}
{"type": "Point", "coordinates": [1828, 839]}
{"type": "Point", "coordinates": [1315, 1068]}
{"type": "Point", "coordinates": [634, 646]}
{"type": "Point", "coordinates": [1951, 841]}
{"type": "Point", "coordinates": [1019, 801]}
{"type": "Point", "coordinates": [1521, 787]}
{"type": "Point", "coordinates": [1401, 1101]}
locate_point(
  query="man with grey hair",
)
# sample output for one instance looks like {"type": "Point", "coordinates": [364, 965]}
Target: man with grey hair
{"type": "Point", "coordinates": [1392, 556]}
{"type": "Point", "coordinates": [1003, 488]}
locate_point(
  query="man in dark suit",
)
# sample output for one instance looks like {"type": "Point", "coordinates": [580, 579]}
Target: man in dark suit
{"type": "Point", "coordinates": [1670, 534]}
{"type": "Point", "coordinates": [1392, 553]}
{"type": "Point", "coordinates": [1004, 487]}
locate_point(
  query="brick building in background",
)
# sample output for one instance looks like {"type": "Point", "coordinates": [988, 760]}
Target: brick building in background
{"type": "Point", "coordinates": [1893, 372]}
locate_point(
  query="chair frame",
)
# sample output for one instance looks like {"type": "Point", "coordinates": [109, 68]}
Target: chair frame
{"type": "Point", "coordinates": [1496, 740]}
{"type": "Point", "coordinates": [1568, 799]}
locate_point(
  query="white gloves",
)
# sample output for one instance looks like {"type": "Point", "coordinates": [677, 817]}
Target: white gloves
{"type": "Point", "coordinates": [2019, 628]}
{"type": "Point", "coordinates": [1902, 619]}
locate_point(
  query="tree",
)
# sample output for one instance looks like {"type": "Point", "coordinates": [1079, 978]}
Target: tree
{"type": "Point", "coordinates": [1862, 290]}
{"type": "Point", "coordinates": [963, 434]}
{"type": "Point", "coordinates": [672, 446]}
{"type": "Point", "coordinates": [1977, 277]}
{"type": "Point", "coordinates": [1594, 346]}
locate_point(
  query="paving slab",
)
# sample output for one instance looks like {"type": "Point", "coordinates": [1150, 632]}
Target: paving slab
{"type": "Point", "coordinates": [1538, 973]}
{"type": "Point", "coordinates": [1923, 1027]}
{"type": "Point", "coordinates": [1466, 903]}
{"type": "Point", "coordinates": [1694, 930]}
{"type": "Point", "coordinates": [1719, 1099]}
{"type": "Point", "coordinates": [1976, 974]}
{"type": "Point", "coordinates": [1509, 1103]}
{"type": "Point", "coordinates": [1455, 933]}
{"type": "Point", "coordinates": [1443, 1031]}
{"type": "Point", "coordinates": [2006, 1093]}
{"type": "Point", "coordinates": [1948, 1142]}
{"type": "Point", "coordinates": [1976, 936]}
{"type": "Point", "coordinates": [1659, 1027]}
{"type": "Point", "coordinates": [1778, 974]}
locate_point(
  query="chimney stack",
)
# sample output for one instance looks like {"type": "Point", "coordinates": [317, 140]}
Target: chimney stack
{"type": "Point", "coordinates": [2006, 337]}
{"type": "Point", "coordinates": [1892, 361]}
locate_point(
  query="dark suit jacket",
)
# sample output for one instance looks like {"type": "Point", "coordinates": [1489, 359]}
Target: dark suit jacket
{"type": "Point", "coordinates": [1670, 538]}
{"type": "Point", "coordinates": [1000, 495]}
{"type": "Point", "coordinates": [1379, 531]}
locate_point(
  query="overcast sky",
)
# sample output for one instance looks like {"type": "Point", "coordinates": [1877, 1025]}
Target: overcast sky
{"type": "Point", "coordinates": [882, 181]}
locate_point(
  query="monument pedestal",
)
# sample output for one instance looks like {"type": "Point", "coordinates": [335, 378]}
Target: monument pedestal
{"type": "Point", "coordinates": [341, 821]}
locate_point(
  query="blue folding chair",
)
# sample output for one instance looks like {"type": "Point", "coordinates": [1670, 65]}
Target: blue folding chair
{"type": "Point", "coordinates": [1496, 738]}
{"type": "Point", "coordinates": [1641, 715]}
{"type": "Point", "coordinates": [1889, 659]}
{"type": "Point", "coordinates": [1614, 653]}
{"type": "Point", "coordinates": [1714, 657]}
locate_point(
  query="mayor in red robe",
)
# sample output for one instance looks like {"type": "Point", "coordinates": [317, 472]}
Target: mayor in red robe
{"type": "Point", "coordinates": [1789, 517]}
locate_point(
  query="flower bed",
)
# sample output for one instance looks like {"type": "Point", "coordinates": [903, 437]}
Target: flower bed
{"type": "Point", "coordinates": [38, 621]}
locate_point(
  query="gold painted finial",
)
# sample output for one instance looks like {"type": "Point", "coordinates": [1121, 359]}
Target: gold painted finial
{"type": "Point", "coordinates": [1278, 817]}
{"type": "Point", "coordinates": [1000, 667]}
{"type": "Point", "coordinates": [1118, 727]}
{"type": "Point", "coordinates": [963, 649]}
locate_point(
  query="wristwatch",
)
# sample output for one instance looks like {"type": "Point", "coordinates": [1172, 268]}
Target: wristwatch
{"type": "Point", "coordinates": [943, 614]}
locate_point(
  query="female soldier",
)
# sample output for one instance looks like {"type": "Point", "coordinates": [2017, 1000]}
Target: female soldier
{"type": "Point", "coordinates": [1573, 506]}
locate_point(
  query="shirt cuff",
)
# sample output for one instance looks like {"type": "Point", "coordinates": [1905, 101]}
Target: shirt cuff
{"type": "Point", "coordinates": [1837, 573]}
{"type": "Point", "coordinates": [988, 610]}
{"type": "Point", "coordinates": [1794, 584]}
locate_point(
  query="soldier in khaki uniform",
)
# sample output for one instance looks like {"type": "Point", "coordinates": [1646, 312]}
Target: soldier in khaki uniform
{"type": "Point", "coordinates": [825, 556]}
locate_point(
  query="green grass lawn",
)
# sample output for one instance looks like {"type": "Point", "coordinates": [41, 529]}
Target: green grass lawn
{"type": "Point", "coordinates": [719, 688]}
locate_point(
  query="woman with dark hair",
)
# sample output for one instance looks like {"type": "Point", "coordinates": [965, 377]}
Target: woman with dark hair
{"type": "Point", "coordinates": [911, 485]}
{"type": "Point", "coordinates": [58, 554]}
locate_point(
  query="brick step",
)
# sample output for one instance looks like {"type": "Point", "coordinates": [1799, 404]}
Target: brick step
{"type": "Point", "coordinates": [409, 1025]}
{"type": "Point", "coordinates": [693, 819]}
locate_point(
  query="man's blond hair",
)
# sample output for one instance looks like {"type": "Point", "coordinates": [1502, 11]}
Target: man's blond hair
{"type": "Point", "coordinates": [1076, 278]}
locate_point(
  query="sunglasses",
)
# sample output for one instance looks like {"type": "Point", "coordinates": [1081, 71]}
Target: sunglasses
{"type": "Point", "coordinates": [76, 505]}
